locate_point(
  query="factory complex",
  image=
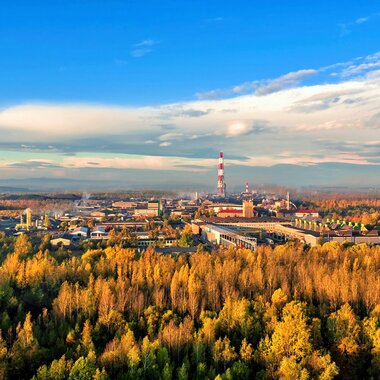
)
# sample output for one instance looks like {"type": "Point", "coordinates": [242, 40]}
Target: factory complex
{"type": "Point", "coordinates": [244, 219]}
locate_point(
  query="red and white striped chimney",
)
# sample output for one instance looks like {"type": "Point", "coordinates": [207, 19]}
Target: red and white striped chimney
{"type": "Point", "coordinates": [221, 184]}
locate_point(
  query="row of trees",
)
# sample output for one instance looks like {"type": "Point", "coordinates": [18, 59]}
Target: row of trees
{"type": "Point", "coordinates": [288, 312]}
{"type": "Point", "coordinates": [354, 208]}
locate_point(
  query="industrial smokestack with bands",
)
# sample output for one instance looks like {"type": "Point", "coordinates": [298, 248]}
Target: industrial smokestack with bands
{"type": "Point", "coordinates": [221, 183]}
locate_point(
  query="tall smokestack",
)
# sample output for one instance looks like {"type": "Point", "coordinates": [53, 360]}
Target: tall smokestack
{"type": "Point", "coordinates": [221, 184]}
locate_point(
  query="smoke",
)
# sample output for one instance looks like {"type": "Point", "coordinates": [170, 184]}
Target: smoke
{"type": "Point", "coordinates": [57, 211]}
{"type": "Point", "coordinates": [84, 200]}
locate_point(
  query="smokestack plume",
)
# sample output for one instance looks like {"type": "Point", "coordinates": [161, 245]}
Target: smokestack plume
{"type": "Point", "coordinates": [221, 183]}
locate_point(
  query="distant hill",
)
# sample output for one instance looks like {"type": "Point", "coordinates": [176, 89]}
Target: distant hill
{"type": "Point", "coordinates": [39, 197]}
{"type": "Point", "coordinates": [9, 189]}
{"type": "Point", "coordinates": [15, 185]}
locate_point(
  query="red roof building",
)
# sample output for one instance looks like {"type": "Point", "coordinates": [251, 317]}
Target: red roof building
{"type": "Point", "coordinates": [306, 212]}
{"type": "Point", "coordinates": [230, 212]}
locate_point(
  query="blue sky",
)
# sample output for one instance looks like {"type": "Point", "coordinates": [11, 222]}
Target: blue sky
{"type": "Point", "coordinates": [89, 88]}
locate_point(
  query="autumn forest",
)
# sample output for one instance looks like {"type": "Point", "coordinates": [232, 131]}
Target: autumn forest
{"type": "Point", "coordinates": [289, 312]}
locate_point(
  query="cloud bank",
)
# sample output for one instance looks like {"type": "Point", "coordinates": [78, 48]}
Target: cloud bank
{"type": "Point", "coordinates": [280, 121]}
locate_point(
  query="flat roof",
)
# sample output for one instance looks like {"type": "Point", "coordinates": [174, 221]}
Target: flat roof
{"type": "Point", "coordinates": [238, 219]}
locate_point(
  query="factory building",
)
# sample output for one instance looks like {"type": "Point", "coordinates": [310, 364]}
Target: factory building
{"type": "Point", "coordinates": [155, 208]}
{"type": "Point", "coordinates": [150, 209]}
{"type": "Point", "coordinates": [98, 215]}
{"type": "Point", "coordinates": [124, 204]}
{"type": "Point", "coordinates": [303, 213]}
{"type": "Point", "coordinates": [222, 235]}
{"type": "Point", "coordinates": [230, 213]}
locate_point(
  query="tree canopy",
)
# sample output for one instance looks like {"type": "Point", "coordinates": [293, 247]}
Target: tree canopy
{"type": "Point", "coordinates": [288, 312]}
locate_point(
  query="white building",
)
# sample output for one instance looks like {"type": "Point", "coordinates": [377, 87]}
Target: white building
{"type": "Point", "coordinates": [99, 233]}
{"type": "Point", "coordinates": [81, 232]}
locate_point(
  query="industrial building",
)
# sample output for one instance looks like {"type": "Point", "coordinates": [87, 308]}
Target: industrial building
{"type": "Point", "coordinates": [155, 207]}
{"type": "Point", "coordinates": [124, 204]}
{"type": "Point", "coordinates": [230, 213]}
{"type": "Point", "coordinates": [222, 235]}
{"type": "Point", "coordinates": [246, 210]}
{"type": "Point", "coordinates": [297, 213]}
{"type": "Point", "coordinates": [278, 230]}
{"type": "Point", "coordinates": [151, 209]}
{"type": "Point", "coordinates": [281, 230]}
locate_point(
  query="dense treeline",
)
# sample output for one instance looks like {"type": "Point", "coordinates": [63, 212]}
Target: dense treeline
{"type": "Point", "coordinates": [14, 208]}
{"type": "Point", "coordinates": [354, 208]}
{"type": "Point", "coordinates": [288, 312]}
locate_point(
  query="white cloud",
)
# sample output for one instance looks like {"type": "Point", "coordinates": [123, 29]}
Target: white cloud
{"type": "Point", "coordinates": [283, 115]}
{"type": "Point", "coordinates": [359, 69]}
{"type": "Point", "coordinates": [345, 28]}
{"type": "Point", "coordinates": [348, 69]}
{"type": "Point", "coordinates": [261, 87]}
{"type": "Point", "coordinates": [285, 81]}
{"type": "Point", "coordinates": [143, 47]}
{"type": "Point", "coordinates": [121, 162]}
{"type": "Point", "coordinates": [165, 143]}
{"type": "Point", "coordinates": [73, 120]}
{"type": "Point", "coordinates": [361, 20]}
{"type": "Point", "coordinates": [67, 122]}
{"type": "Point", "coordinates": [146, 42]}
{"type": "Point", "coordinates": [303, 160]}
{"type": "Point", "coordinates": [145, 162]}
{"type": "Point", "coordinates": [170, 136]}
{"type": "Point", "coordinates": [237, 129]}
